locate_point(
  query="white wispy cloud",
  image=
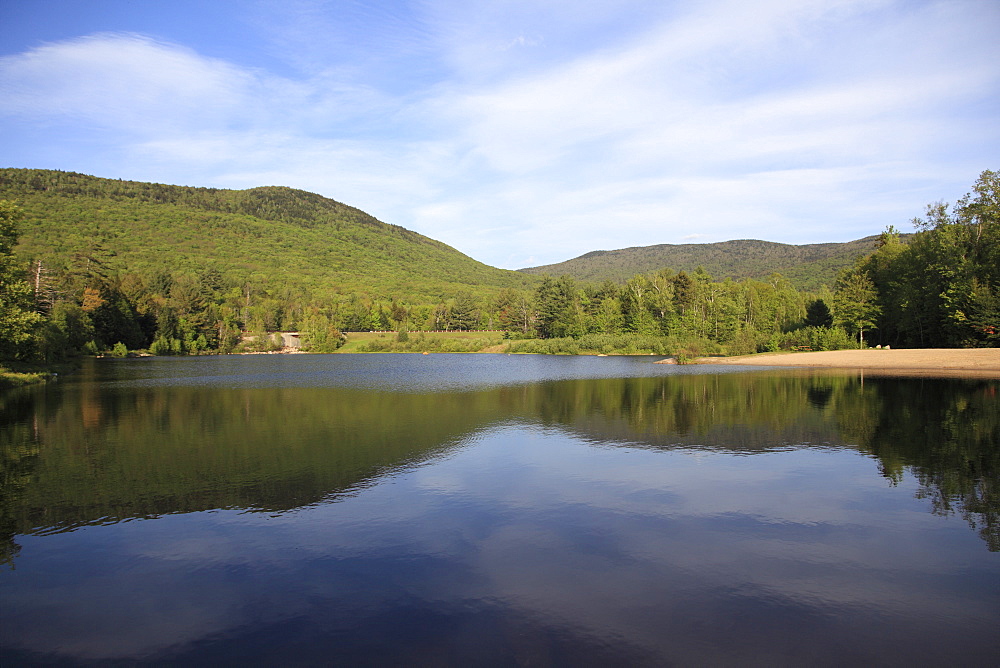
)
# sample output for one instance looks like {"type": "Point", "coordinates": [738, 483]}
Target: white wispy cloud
{"type": "Point", "coordinates": [126, 81]}
{"type": "Point", "coordinates": [639, 144]}
{"type": "Point", "coordinates": [525, 131]}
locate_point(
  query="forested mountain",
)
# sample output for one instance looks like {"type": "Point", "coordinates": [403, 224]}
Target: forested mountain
{"type": "Point", "coordinates": [273, 236]}
{"type": "Point", "coordinates": [807, 267]}
{"type": "Point", "coordinates": [91, 265]}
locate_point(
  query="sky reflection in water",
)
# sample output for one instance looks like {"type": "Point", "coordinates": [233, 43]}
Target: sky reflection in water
{"type": "Point", "coordinates": [550, 526]}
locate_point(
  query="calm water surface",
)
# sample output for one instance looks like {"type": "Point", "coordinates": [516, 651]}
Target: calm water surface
{"type": "Point", "coordinates": [497, 510]}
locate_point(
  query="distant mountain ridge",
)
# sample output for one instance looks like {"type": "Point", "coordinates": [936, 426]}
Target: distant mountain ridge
{"type": "Point", "coordinates": [808, 267]}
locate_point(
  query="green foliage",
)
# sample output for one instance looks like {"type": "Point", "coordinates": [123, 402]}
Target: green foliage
{"type": "Point", "coordinates": [818, 314]}
{"type": "Point", "coordinates": [159, 346]}
{"type": "Point", "coordinates": [119, 350]}
{"type": "Point", "coordinates": [749, 341]}
{"type": "Point", "coordinates": [320, 335]}
{"type": "Point", "coordinates": [464, 315]}
{"type": "Point", "coordinates": [513, 311]}
{"type": "Point", "coordinates": [66, 332]}
{"type": "Point", "coordinates": [627, 344]}
{"type": "Point", "coordinates": [557, 305]}
{"type": "Point", "coordinates": [166, 346]}
{"type": "Point", "coordinates": [817, 338]}
{"type": "Point", "coordinates": [556, 346]}
{"type": "Point", "coordinates": [982, 315]}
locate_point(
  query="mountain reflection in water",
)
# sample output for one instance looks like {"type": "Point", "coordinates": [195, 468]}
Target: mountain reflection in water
{"type": "Point", "coordinates": [504, 510]}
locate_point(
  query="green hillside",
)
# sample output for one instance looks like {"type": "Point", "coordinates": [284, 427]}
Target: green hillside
{"type": "Point", "coordinates": [306, 242]}
{"type": "Point", "coordinates": [276, 235]}
{"type": "Point", "coordinates": [808, 267]}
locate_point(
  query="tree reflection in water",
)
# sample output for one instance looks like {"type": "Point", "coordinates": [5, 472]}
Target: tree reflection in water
{"type": "Point", "coordinates": [94, 454]}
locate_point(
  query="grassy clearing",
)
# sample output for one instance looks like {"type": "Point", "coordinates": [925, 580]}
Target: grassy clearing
{"type": "Point", "coordinates": [616, 344]}
{"type": "Point", "coordinates": [493, 342]}
{"type": "Point", "coordinates": [420, 342]}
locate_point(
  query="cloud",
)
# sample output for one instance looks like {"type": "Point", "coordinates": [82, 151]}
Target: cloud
{"type": "Point", "coordinates": [136, 83]}
{"type": "Point", "coordinates": [168, 107]}
{"type": "Point", "coordinates": [126, 81]}
{"type": "Point", "coordinates": [653, 106]}
{"type": "Point", "coordinates": [545, 131]}
{"type": "Point", "coordinates": [733, 120]}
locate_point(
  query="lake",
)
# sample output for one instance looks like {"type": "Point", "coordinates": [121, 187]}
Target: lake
{"type": "Point", "coordinates": [455, 510]}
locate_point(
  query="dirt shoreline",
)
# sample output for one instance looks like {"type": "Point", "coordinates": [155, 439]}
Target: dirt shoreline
{"type": "Point", "coordinates": [980, 361]}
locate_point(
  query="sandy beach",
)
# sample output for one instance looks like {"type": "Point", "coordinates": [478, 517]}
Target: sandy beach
{"type": "Point", "coordinates": [979, 361]}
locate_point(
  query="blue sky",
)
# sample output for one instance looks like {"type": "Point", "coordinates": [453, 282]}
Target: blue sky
{"type": "Point", "coordinates": [524, 132]}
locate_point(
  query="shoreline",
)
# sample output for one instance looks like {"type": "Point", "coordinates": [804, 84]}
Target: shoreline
{"type": "Point", "coordinates": [981, 361]}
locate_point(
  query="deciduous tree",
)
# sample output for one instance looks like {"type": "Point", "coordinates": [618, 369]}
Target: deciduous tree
{"type": "Point", "coordinates": [855, 303]}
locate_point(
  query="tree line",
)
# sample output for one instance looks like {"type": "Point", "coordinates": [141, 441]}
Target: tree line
{"type": "Point", "coordinates": [940, 289]}
{"type": "Point", "coordinates": [92, 304]}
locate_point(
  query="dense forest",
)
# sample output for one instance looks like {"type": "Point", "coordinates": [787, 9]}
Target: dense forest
{"type": "Point", "coordinates": [95, 266]}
